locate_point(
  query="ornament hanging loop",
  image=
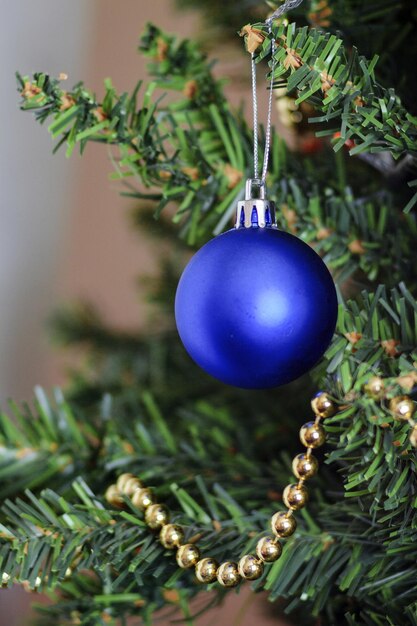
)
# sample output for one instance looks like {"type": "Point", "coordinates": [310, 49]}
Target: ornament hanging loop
{"type": "Point", "coordinates": [256, 184]}
{"type": "Point", "coordinates": [255, 209]}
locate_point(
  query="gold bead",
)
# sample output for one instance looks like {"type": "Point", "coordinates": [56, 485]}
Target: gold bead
{"type": "Point", "coordinates": [228, 574]}
{"type": "Point", "coordinates": [171, 536]}
{"type": "Point", "coordinates": [375, 388]}
{"type": "Point", "coordinates": [156, 516]}
{"type": "Point", "coordinates": [295, 496]}
{"type": "Point", "coordinates": [283, 524]}
{"type": "Point", "coordinates": [305, 465]}
{"type": "Point", "coordinates": [142, 498]}
{"type": "Point", "coordinates": [322, 405]}
{"type": "Point", "coordinates": [250, 567]}
{"type": "Point", "coordinates": [187, 555]}
{"type": "Point", "coordinates": [131, 486]}
{"type": "Point", "coordinates": [268, 549]}
{"type": "Point", "coordinates": [312, 435]}
{"type": "Point", "coordinates": [402, 407]}
{"type": "Point", "coordinates": [113, 496]}
{"type": "Point", "coordinates": [122, 480]}
{"type": "Point", "coordinates": [206, 570]}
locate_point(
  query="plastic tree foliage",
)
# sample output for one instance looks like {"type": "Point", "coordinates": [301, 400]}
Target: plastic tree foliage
{"type": "Point", "coordinates": [220, 457]}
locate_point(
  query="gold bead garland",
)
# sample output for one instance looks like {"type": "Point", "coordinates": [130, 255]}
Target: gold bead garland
{"type": "Point", "coordinates": [305, 466]}
{"type": "Point", "coordinates": [312, 435]}
{"type": "Point", "coordinates": [206, 570]}
{"type": "Point", "coordinates": [142, 498]}
{"type": "Point", "coordinates": [268, 548]}
{"type": "Point", "coordinates": [228, 574]}
{"type": "Point", "coordinates": [295, 496]}
{"type": "Point", "coordinates": [250, 567]}
{"type": "Point", "coordinates": [401, 407]}
{"type": "Point", "coordinates": [375, 388]}
{"type": "Point", "coordinates": [130, 486]}
{"type": "Point", "coordinates": [188, 555]}
{"type": "Point", "coordinates": [156, 516]}
{"type": "Point", "coordinates": [113, 496]}
{"type": "Point", "coordinates": [282, 524]}
{"type": "Point", "coordinates": [323, 405]}
{"type": "Point", "coordinates": [171, 536]}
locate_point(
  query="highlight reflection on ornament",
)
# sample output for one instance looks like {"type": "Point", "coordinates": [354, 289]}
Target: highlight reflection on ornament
{"type": "Point", "coordinates": [272, 308]}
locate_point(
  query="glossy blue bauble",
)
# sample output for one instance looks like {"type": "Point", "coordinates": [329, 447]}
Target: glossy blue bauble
{"type": "Point", "coordinates": [256, 307]}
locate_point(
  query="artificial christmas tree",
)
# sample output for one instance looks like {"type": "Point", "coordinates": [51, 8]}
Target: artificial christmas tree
{"type": "Point", "coordinates": [217, 456]}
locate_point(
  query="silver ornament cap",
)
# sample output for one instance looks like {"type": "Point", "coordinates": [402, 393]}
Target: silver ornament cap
{"type": "Point", "coordinates": [255, 209]}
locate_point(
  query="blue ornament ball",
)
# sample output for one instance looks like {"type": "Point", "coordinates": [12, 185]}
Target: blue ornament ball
{"type": "Point", "coordinates": [256, 307]}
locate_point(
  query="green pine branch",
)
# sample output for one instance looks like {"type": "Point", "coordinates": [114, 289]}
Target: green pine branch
{"type": "Point", "coordinates": [376, 335]}
{"type": "Point", "coordinates": [343, 88]}
{"type": "Point", "coordinates": [359, 236]}
{"type": "Point", "coordinates": [136, 407]}
{"type": "Point", "coordinates": [47, 533]}
{"type": "Point", "coordinates": [382, 27]}
{"type": "Point", "coordinates": [193, 150]}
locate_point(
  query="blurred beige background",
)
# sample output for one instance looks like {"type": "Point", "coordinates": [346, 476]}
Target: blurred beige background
{"type": "Point", "coordinates": [64, 232]}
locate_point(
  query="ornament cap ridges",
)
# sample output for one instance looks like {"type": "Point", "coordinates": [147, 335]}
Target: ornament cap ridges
{"type": "Point", "coordinates": [255, 211]}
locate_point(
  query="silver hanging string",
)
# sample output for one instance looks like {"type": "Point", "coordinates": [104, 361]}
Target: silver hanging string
{"type": "Point", "coordinates": [269, 115]}
{"type": "Point", "coordinates": [255, 117]}
{"type": "Point", "coordinates": [288, 5]}
{"type": "Point", "coordinates": [255, 120]}
{"type": "Point", "coordinates": [256, 209]}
